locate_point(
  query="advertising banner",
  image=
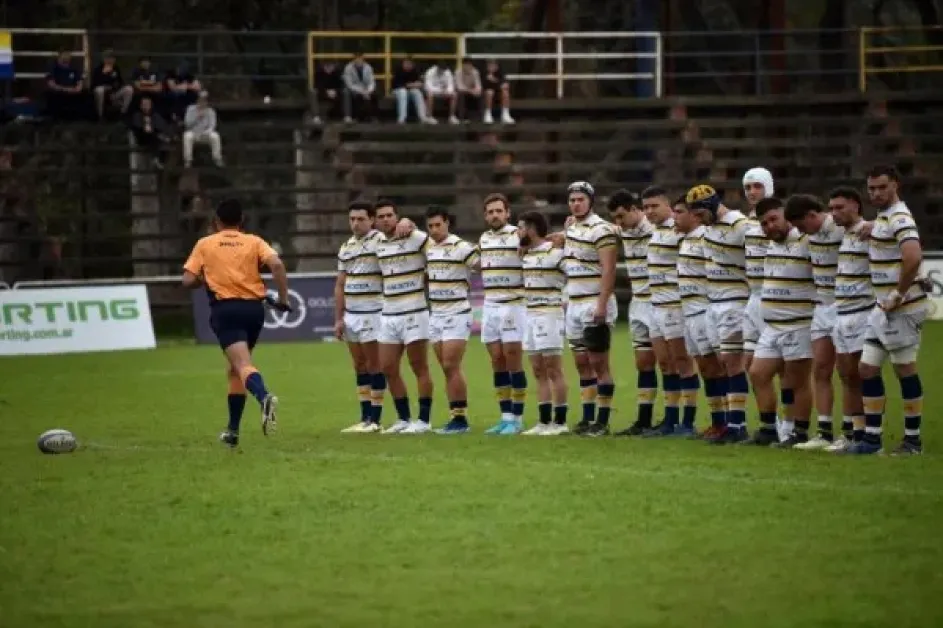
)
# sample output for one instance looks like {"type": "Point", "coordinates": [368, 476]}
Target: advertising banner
{"type": "Point", "coordinates": [72, 320]}
{"type": "Point", "coordinates": [312, 315]}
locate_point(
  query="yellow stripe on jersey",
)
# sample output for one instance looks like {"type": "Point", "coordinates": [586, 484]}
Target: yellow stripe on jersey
{"type": "Point", "coordinates": [788, 295]}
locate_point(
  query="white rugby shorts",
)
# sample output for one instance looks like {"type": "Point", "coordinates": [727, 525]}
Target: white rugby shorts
{"type": "Point", "coordinates": [579, 315]}
{"type": "Point", "coordinates": [823, 321]}
{"type": "Point", "coordinates": [696, 339]}
{"type": "Point", "coordinates": [850, 332]}
{"type": "Point", "coordinates": [545, 333]}
{"type": "Point", "coordinates": [640, 323]}
{"type": "Point", "coordinates": [503, 322]}
{"type": "Point", "coordinates": [897, 330]}
{"type": "Point", "coordinates": [725, 325]}
{"type": "Point", "coordinates": [668, 322]}
{"type": "Point", "coordinates": [788, 345]}
{"type": "Point", "coordinates": [404, 329]}
{"type": "Point", "coordinates": [446, 327]}
{"type": "Point", "coordinates": [360, 328]}
{"type": "Point", "coordinates": [752, 322]}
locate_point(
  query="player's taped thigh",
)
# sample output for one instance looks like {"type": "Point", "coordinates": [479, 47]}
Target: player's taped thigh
{"type": "Point", "coordinates": [873, 354]}
{"type": "Point", "coordinates": [597, 338]}
{"type": "Point", "coordinates": [904, 355]}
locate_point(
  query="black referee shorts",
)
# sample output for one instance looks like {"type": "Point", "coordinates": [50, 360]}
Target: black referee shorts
{"type": "Point", "coordinates": [237, 320]}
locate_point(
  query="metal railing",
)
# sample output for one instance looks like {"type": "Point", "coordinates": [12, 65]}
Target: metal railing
{"type": "Point", "coordinates": [35, 49]}
{"type": "Point", "coordinates": [902, 49]}
{"type": "Point", "coordinates": [557, 52]}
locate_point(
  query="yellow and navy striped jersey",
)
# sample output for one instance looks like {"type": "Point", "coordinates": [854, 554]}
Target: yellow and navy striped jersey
{"type": "Point", "coordinates": [403, 264]}
{"type": "Point", "coordinates": [663, 265]}
{"type": "Point", "coordinates": [755, 244]}
{"type": "Point", "coordinates": [635, 247]}
{"type": "Point", "coordinates": [788, 285]}
{"type": "Point", "coordinates": [692, 272]}
{"type": "Point", "coordinates": [363, 283]}
{"type": "Point", "coordinates": [544, 278]}
{"type": "Point", "coordinates": [448, 270]}
{"type": "Point", "coordinates": [501, 265]}
{"type": "Point", "coordinates": [726, 269]}
{"type": "Point", "coordinates": [853, 291]}
{"type": "Point", "coordinates": [823, 247]}
{"type": "Point", "coordinates": [892, 227]}
{"type": "Point", "coordinates": [584, 240]}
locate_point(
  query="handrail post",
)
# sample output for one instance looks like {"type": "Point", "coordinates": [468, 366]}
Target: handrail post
{"type": "Point", "coordinates": [862, 59]}
{"type": "Point", "coordinates": [309, 50]}
{"type": "Point", "coordinates": [659, 51]}
{"type": "Point", "coordinates": [388, 59]}
{"type": "Point", "coordinates": [462, 49]}
{"type": "Point", "coordinates": [559, 66]}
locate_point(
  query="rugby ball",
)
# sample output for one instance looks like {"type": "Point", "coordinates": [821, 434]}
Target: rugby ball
{"type": "Point", "coordinates": [57, 441]}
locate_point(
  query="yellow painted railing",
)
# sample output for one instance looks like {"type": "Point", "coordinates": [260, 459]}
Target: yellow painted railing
{"type": "Point", "coordinates": [35, 49]}
{"type": "Point", "coordinates": [908, 56]}
{"type": "Point", "coordinates": [385, 47]}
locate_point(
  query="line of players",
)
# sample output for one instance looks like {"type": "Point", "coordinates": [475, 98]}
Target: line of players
{"type": "Point", "coordinates": [716, 294]}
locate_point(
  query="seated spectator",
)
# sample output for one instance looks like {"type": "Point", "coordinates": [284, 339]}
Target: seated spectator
{"type": "Point", "coordinates": [145, 80]}
{"type": "Point", "coordinates": [200, 125]}
{"type": "Point", "coordinates": [151, 132]}
{"type": "Point", "coordinates": [328, 86]}
{"type": "Point", "coordinates": [109, 88]}
{"type": "Point", "coordinates": [407, 85]}
{"type": "Point", "coordinates": [495, 83]}
{"type": "Point", "coordinates": [359, 90]}
{"type": "Point", "coordinates": [64, 89]}
{"type": "Point", "coordinates": [440, 85]}
{"type": "Point", "coordinates": [182, 90]}
{"type": "Point", "coordinates": [468, 85]}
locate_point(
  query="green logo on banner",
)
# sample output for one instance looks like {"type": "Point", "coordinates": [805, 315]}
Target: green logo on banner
{"type": "Point", "coordinates": [57, 312]}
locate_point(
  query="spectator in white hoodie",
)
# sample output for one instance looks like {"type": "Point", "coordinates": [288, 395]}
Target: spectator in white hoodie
{"type": "Point", "coordinates": [440, 84]}
{"type": "Point", "coordinates": [200, 126]}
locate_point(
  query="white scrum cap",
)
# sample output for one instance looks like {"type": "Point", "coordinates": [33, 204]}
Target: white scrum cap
{"type": "Point", "coordinates": [761, 176]}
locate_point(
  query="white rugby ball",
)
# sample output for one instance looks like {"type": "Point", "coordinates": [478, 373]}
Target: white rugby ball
{"type": "Point", "coordinates": [57, 441]}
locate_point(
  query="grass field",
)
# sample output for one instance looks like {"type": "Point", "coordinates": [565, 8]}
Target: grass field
{"type": "Point", "coordinates": [153, 523]}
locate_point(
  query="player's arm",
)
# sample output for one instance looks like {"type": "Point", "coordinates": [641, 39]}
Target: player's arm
{"type": "Point", "coordinates": [193, 268]}
{"type": "Point", "coordinates": [339, 302]}
{"type": "Point", "coordinates": [276, 266]}
{"type": "Point", "coordinates": [911, 256]}
{"type": "Point", "coordinates": [473, 258]}
{"type": "Point", "coordinates": [608, 249]}
{"type": "Point", "coordinates": [405, 227]}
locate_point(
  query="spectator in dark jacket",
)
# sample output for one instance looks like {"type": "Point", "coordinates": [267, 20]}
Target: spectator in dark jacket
{"type": "Point", "coordinates": [328, 88]}
{"type": "Point", "coordinates": [151, 132]}
{"type": "Point", "coordinates": [64, 89]}
{"type": "Point", "coordinates": [146, 82]}
{"type": "Point", "coordinates": [182, 90]}
{"type": "Point", "coordinates": [108, 86]}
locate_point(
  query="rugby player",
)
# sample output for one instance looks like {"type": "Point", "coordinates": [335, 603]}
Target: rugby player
{"type": "Point", "coordinates": [544, 281]}
{"type": "Point", "coordinates": [591, 250]}
{"type": "Point", "coordinates": [854, 300]}
{"type": "Point", "coordinates": [728, 293]}
{"type": "Point", "coordinates": [358, 299]}
{"type": "Point", "coordinates": [895, 256]}
{"type": "Point", "coordinates": [625, 209]}
{"type": "Point", "coordinates": [692, 286]}
{"type": "Point", "coordinates": [404, 319]}
{"type": "Point", "coordinates": [227, 263]}
{"type": "Point", "coordinates": [668, 327]}
{"type": "Point", "coordinates": [504, 314]}
{"type": "Point", "coordinates": [450, 261]}
{"type": "Point", "coordinates": [825, 238]}
{"type": "Point", "coordinates": [786, 340]}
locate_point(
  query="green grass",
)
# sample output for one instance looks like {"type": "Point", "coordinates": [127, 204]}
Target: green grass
{"type": "Point", "coordinates": [153, 523]}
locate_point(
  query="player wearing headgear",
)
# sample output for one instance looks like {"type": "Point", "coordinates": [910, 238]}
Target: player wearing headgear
{"type": "Point", "coordinates": [668, 329]}
{"type": "Point", "coordinates": [544, 280]}
{"type": "Point", "coordinates": [450, 261]}
{"type": "Point", "coordinates": [625, 209]}
{"type": "Point", "coordinates": [504, 316]}
{"type": "Point", "coordinates": [228, 264]}
{"type": "Point", "coordinates": [358, 299]}
{"type": "Point", "coordinates": [786, 340]}
{"type": "Point", "coordinates": [728, 293]}
{"type": "Point", "coordinates": [825, 238]}
{"type": "Point", "coordinates": [894, 327]}
{"type": "Point", "coordinates": [591, 249]}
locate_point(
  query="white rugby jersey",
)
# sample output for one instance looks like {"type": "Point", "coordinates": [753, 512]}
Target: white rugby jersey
{"type": "Point", "coordinates": [823, 247]}
{"type": "Point", "coordinates": [663, 265]}
{"type": "Point", "coordinates": [544, 278]}
{"type": "Point", "coordinates": [635, 247]}
{"type": "Point", "coordinates": [403, 264]}
{"type": "Point", "coordinates": [892, 227]}
{"type": "Point", "coordinates": [788, 285]}
{"type": "Point", "coordinates": [448, 269]}
{"type": "Point", "coordinates": [853, 291]}
{"type": "Point", "coordinates": [501, 265]}
{"type": "Point", "coordinates": [584, 240]}
{"type": "Point", "coordinates": [363, 283]}
{"type": "Point", "coordinates": [755, 244]}
{"type": "Point", "coordinates": [692, 272]}
{"type": "Point", "coordinates": [726, 269]}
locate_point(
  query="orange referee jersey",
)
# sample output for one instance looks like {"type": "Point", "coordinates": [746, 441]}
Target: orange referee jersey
{"type": "Point", "coordinates": [230, 262]}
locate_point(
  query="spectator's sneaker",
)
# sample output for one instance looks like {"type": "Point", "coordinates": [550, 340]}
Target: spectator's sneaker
{"type": "Point", "coordinates": [188, 164]}
{"type": "Point", "coordinates": [488, 119]}
{"type": "Point", "coordinates": [506, 118]}
{"type": "Point", "coordinates": [158, 163]}
{"type": "Point", "coordinates": [839, 445]}
{"type": "Point", "coordinates": [430, 120]}
{"type": "Point", "coordinates": [762, 438]}
{"type": "Point", "coordinates": [598, 429]}
{"type": "Point", "coordinates": [636, 429]}
{"type": "Point", "coordinates": [791, 441]}
{"type": "Point", "coordinates": [229, 438]}
{"type": "Point", "coordinates": [454, 120]}
{"type": "Point", "coordinates": [316, 120]}
{"type": "Point", "coordinates": [348, 120]}
{"type": "Point", "coordinates": [219, 163]}
{"type": "Point", "coordinates": [455, 426]}
{"type": "Point", "coordinates": [863, 448]}
{"type": "Point", "coordinates": [816, 443]}
{"type": "Point", "coordinates": [908, 448]}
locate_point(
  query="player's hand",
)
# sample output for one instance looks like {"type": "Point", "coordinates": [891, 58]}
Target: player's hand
{"type": "Point", "coordinates": [404, 227]}
{"type": "Point", "coordinates": [557, 239]}
{"type": "Point", "coordinates": [599, 314]}
{"type": "Point", "coordinates": [339, 329]}
{"type": "Point", "coordinates": [569, 222]}
{"type": "Point", "coordinates": [281, 306]}
{"type": "Point", "coordinates": [925, 284]}
{"type": "Point", "coordinates": [864, 231]}
{"type": "Point", "coordinates": [892, 301]}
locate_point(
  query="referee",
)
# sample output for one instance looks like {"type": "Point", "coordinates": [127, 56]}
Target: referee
{"type": "Point", "coordinates": [229, 264]}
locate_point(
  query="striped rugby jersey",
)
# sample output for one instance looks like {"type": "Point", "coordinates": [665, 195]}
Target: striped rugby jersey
{"type": "Point", "coordinates": [892, 227]}
{"type": "Point", "coordinates": [403, 264]}
{"type": "Point", "coordinates": [635, 248]}
{"type": "Point", "coordinates": [755, 244]}
{"type": "Point", "coordinates": [501, 265]}
{"type": "Point", "coordinates": [823, 247]}
{"type": "Point", "coordinates": [584, 240]}
{"type": "Point", "coordinates": [663, 265]}
{"type": "Point", "coordinates": [692, 273]}
{"type": "Point", "coordinates": [726, 269]}
{"type": "Point", "coordinates": [788, 285]}
{"type": "Point", "coordinates": [363, 283]}
{"type": "Point", "coordinates": [544, 278]}
{"type": "Point", "coordinates": [853, 291]}
{"type": "Point", "coordinates": [448, 270]}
